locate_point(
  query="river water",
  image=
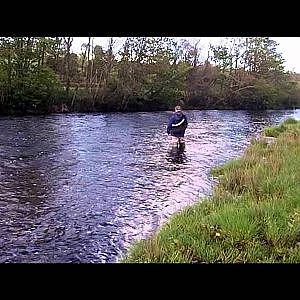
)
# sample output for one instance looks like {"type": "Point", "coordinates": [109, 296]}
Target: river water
{"type": "Point", "coordinates": [83, 187]}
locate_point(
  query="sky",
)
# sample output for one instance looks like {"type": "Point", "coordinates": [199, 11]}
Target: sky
{"type": "Point", "coordinates": [289, 47]}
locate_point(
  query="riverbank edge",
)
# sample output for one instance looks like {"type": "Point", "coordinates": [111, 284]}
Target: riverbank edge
{"type": "Point", "coordinates": [67, 112]}
{"type": "Point", "coordinates": [253, 214]}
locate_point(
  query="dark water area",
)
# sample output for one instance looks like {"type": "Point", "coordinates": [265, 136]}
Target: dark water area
{"type": "Point", "coordinates": [83, 187]}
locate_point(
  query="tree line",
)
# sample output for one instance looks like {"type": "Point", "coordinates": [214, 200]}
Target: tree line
{"type": "Point", "coordinates": [42, 75]}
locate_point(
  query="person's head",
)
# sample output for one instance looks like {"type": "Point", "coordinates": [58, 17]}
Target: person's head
{"type": "Point", "coordinates": [177, 108]}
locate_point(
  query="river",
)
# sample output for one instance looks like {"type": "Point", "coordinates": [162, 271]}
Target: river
{"type": "Point", "coordinates": [81, 188]}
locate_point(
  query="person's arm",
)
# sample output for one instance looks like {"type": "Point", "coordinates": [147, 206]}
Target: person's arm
{"type": "Point", "coordinates": [185, 121]}
{"type": "Point", "coordinates": [170, 125]}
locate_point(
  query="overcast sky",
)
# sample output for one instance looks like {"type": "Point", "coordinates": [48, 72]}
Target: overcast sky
{"type": "Point", "coordinates": [288, 46]}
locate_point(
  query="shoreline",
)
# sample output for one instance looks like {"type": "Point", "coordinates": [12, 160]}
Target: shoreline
{"type": "Point", "coordinates": [253, 214]}
{"type": "Point", "coordinates": [41, 114]}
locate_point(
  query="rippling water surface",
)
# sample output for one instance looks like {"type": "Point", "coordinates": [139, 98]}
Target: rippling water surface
{"type": "Point", "coordinates": [83, 187]}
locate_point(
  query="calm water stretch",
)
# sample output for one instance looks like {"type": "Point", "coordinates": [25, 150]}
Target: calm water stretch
{"type": "Point", "coordinates": [83, 187]}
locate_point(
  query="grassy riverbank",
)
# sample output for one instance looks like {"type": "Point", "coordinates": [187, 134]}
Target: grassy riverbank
{"type": "Point", "coordinates": [253, 215]}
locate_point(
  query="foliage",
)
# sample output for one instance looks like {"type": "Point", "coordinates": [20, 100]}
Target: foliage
{"type": "Point", "coordinates": [147, 73]}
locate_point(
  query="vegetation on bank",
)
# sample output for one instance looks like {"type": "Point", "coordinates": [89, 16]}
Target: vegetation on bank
{"type": "Point", "coordinates": [41, 75]}
{"type": "Point", "coordinates": [253, 215]}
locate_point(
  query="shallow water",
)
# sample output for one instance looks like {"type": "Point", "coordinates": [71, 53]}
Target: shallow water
{"type": "Point", "coordinates": [83, 187]}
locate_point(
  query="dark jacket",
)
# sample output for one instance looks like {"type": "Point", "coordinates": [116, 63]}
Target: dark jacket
{"type": "Point", "coordinates": [177, 124]}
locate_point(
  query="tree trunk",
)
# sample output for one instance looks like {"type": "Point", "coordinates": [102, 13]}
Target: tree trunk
{"type": "Point", "coordinates": [88, 61]}
{"type": "Point", "coordinates": [92, 65]}
{"type": "Point", "coordinates": [67, 63]}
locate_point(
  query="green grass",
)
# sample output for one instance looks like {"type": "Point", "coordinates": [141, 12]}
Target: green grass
{"type": "Point", "coordinates": [253, 215]}
{"type": "Point", "coordinates": [286, 125]}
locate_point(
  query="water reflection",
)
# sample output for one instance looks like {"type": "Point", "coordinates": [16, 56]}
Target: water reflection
{"type": "Point", "coordinates": [176, 154]}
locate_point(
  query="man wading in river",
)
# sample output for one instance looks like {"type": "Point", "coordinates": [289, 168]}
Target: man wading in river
{"type": "Point", "coordinates": [177, 126]}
